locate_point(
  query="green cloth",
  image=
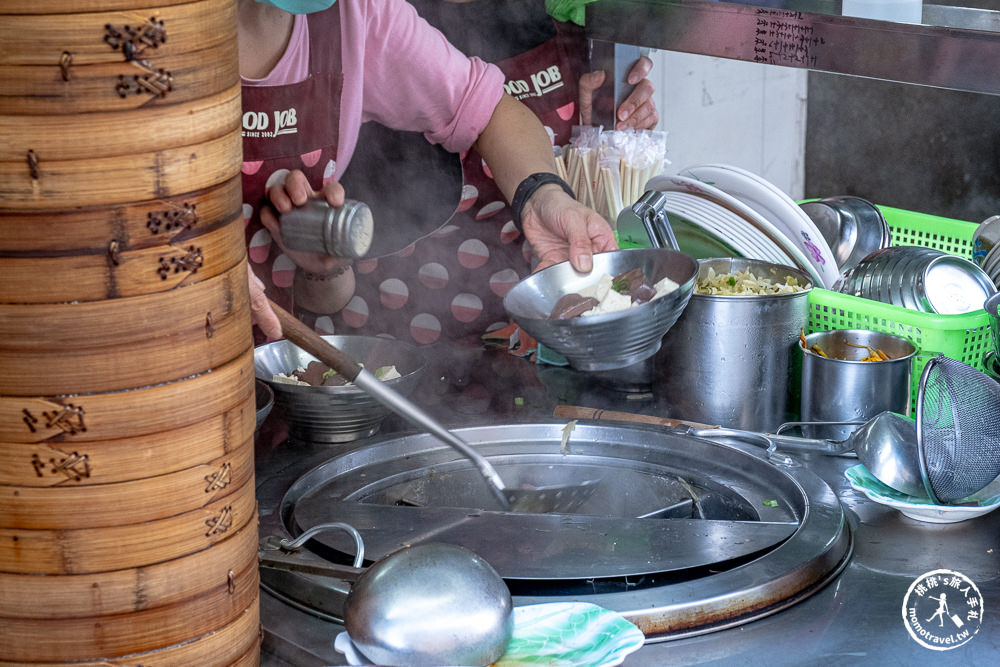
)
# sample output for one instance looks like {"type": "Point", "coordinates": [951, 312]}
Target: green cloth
{"type": "Point", "coordinates": [568, 10]}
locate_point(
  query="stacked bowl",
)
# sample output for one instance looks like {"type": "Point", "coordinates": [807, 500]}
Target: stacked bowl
{"type": "Point", "coordinates": [918, 278]}
{"type": "Point", "coordinates": [986, 247]}
{"type": "Point", "coordinates": [127, 403]}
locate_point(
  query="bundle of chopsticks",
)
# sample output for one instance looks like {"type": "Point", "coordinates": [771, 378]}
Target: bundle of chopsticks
{"type": "Point", "coordinates": [608, 170]}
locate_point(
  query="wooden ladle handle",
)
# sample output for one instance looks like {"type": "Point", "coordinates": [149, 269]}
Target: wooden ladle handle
{"type": "Point", "coordinates": [313, 343]}
{"type": "Point", "coordinates": [580, 412]}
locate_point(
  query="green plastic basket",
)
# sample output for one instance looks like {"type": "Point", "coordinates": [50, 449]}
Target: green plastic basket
{"type": "Point", "coordinates": [964, 337]}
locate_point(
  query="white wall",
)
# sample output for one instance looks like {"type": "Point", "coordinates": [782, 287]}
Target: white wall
{"type": "Point", "coordinates": [732, 112]}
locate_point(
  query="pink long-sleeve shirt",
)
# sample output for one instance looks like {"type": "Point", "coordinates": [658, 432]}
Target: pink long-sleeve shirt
{"type": "Point", "coordinates": [399, 71]}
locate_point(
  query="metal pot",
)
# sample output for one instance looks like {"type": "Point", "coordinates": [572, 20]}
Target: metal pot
{"type": "Point", "coordinates": [731, 360]}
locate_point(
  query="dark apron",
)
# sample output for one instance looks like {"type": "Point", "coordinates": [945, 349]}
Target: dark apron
{"type": "Point", "coordinates": [449, 280]}
{"type": "Point", "coordinates": [296, 126]}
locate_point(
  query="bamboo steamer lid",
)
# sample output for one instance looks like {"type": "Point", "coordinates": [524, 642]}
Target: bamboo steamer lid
{"type": "Point", "coordinates": [135, 632]}
{"type": "Point", "coordinates": [85, 136]}
{"type": "Point", "coordinates": [147, 498]}
{"type": "Point", "coordinates": [71, 6]}
{"type": "Point", "coordinates": [124, 414]}
{"type": "Point", "coordinates": [121, 272]}
{"type": "Point", "coordinates": [123, 591]}
{"type": "Point", "coordinates": [50, 464]}
{"type": "Point", "coordinates": [144, 174]}
{"type": "Point", "coordinates": [98, 31]}
{"type": "Point", "coordinates": [197, 343]}
{"type": "Point", "coordinates": [87, 325]}
{"type": "Point", "coordinates": [237, 643]}
{"type": "Point", "coordinates": [86, 550]}
{"type": "Point", "coordinates": [135, 225]}
{"type": "Point", "coordinates": [119, 86]}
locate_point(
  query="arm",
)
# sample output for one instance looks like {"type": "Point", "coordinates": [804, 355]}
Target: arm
{"type": "Point", "coordinates": [515, 145]}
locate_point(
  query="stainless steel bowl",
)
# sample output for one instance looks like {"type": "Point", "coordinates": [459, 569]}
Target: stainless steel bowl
{"type": "Point", "coordinates": [264, 398]}
{"type": "Point", "coordinates": [853, 227]}
{"type": "Point", "coordinates": [336, 414]}
{"type": "Point", "coordinates": [991, 364]}
{"type": "Point", "coordinates": [985, 239]}
{"type": "Point", "coordinates": [611, 340]}
{"type": "Point", "coordinates": [919, 278]}
{"type": "Point", "coordinates": [991, 306]}
{"type": "Point", "coordinates": [952, 285]}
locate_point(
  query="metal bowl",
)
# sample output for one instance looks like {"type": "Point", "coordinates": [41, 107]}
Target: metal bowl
{"type": "Point", "coordinates": [852, 226]}
{"type": "Point", "coordinates": [952, 285]}
{"type": "Point", "coordinates": [336, 414]}
{"type": "Point", "coordinates": [264, 396]}
{"type": "Point", "coordinates": [611, 340]}
{"type": "Point", "coordinates": [991, 306]}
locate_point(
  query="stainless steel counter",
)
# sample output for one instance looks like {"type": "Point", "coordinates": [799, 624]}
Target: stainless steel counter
{"type": "Point", "coordinates": [856, 619]}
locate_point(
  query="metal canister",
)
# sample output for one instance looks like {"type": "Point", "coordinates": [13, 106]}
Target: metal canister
{"type": "Point", "coordinates": [343, 231]}
{"type": "Point", "coordinates": [732, 360]}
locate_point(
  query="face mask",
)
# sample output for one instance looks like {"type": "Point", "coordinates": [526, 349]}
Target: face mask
{"type": "Point", "coordinates": [300, 6]}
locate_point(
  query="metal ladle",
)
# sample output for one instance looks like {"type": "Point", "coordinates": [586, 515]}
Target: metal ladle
{"type": "Point", "coordinates": [886, 444]}
{"type": "Point", "coordinates": [415, 606]}
{"type": "Point", "coordinates": [539, 500]}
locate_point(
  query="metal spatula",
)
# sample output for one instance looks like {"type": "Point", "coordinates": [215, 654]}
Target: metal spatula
{"type": "Point", "coordinates": [538, 500]}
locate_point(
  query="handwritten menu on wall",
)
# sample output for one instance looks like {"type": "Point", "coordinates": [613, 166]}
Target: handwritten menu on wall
{"type": "Point", "coordinates": [784, 37]}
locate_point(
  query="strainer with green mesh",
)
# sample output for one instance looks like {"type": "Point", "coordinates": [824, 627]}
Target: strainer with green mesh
{"type": "Point", "coordinates": [958, 429]}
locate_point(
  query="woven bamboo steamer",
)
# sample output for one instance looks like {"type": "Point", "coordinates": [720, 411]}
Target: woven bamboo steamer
{"type": "Point", "coordinates": [119, 272]}
{"type": "Point", "coordinates": [96, 35]}
{"type": "Point", "coordinates": [85, 136]}
{"type": "Point", "coordinates": [123, 591]}
{"type": "Point", "coordinates": [39, 90]}
{"type": "Point", "coordinates": [52, 327]}
{"type": "Point", "coordinates": [77, 6]}
{"type": "Point", "coordinates": [88, 550]}
{"type": "Point", "coordinates": [144, 174]}
{"type": "Point", "coordinates": [201, 341]}
{"type": "Point", "coordinates": [125, 414]}
{"type": "Point", "coordinates": [138, 631]}
{"type": "Point", "coordinates": [133, 225]}
{"type": "Point", "coordinates": [48, 464]}
{"type": "Point", "coordinates": [237, 643]}
{"type": "Point", "coordinates": [133, 501]}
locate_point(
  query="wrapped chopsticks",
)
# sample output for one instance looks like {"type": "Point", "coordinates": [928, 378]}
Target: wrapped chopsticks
{"type": "Point", "coordinates": [608, 170]}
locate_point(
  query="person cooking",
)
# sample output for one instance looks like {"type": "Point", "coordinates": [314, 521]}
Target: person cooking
{"type": "Point", "coordinates": [448, 279]}
{"type": "Point", "coordinates": [315, 70]}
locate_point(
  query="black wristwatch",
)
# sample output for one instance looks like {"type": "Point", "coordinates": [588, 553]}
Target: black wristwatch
{"type": "Point", "coordinates": [527, 188]}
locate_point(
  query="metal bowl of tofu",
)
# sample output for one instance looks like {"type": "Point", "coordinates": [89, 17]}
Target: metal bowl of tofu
{"type": "Point", "coordinates": [610, 318]}
{"type": "Point", "coordinates": [320, 407]}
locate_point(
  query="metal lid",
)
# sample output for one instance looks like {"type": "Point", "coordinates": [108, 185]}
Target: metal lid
{"type": "Point", "coordinates": [316, 226]}
{"type": "Point", "coordinates": [952, 285]}
{"type": "Point", "coordinates": [355, 230]}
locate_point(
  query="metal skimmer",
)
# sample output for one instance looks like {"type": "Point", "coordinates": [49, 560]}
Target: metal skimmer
{"type": "Point", "coordinates": [958, 429]}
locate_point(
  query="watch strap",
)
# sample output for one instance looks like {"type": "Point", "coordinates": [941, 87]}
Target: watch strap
{"type": "Point", "coordinates": [527, 188]}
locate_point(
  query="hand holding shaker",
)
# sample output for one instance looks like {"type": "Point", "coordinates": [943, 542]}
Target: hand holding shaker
{"type": "Point", "coordinates": [344, 231]}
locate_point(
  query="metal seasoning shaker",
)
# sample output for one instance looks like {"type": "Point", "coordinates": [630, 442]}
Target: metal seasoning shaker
{"type": "Point", "coordinates": [345, 231]}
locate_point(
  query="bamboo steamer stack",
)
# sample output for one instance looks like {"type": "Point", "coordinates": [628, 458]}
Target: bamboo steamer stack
{"type": "Point", "coordinates": [128, 530]}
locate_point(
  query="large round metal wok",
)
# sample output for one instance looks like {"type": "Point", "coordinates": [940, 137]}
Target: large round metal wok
{"type": "Point", "coordinates": [683, 536]}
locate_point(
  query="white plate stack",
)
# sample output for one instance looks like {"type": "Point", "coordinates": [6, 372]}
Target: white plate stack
{"type": "Point", "coordinates": [735, 208]}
